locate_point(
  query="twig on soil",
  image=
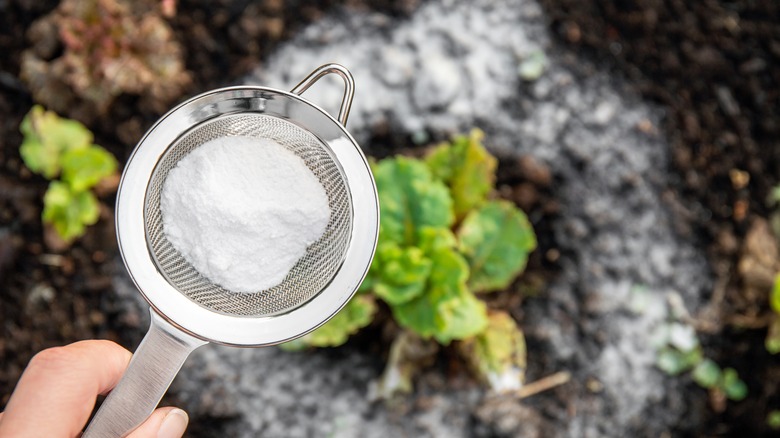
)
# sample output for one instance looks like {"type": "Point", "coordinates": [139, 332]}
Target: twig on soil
{"type": "Point", "coordinates": [541, 385]}
{"type": "Point", "coordinates": [750, 321]}
{"type": "Point", "coordinates": [544, 384]}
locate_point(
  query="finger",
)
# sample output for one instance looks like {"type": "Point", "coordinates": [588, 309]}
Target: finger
{"type": "Point", "coordinates": [167, 422]}
{"type": "Point", "coordinates": [57, 390]}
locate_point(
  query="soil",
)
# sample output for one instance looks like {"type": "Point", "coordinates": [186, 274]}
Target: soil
{"type": "Point", "coordinates": [712, 64]}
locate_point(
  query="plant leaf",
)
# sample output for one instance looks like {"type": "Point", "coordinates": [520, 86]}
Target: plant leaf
{"type": "Point", "coordinates": [673, 361]}
{"type": "Point", "coordinates": [496, 240]}
{"type": "Point", "coordinates": [403, 273]}
{"type": "Point", "coordinates": [773, 419]}
{"type": "Point", "coordinates": [772, 341]}
{"type": "Point", "coordinates": [467, 168]}
{"type": "Point", "coordinates": [460, 317]}
{"type": "Point", "coordinates": [84, 167]}
{"type": "Point", "coordinates": [706, 374]}
{"type": "Point", "coordinates": [734, 388]}
{"type": "Point", "coordinates": [446, 310]}
{"type": "Point", "coordinates": [68, 211]}
{"type": "Point", "coordinates": [533, 66]}
{"type": "Point", "coordinates": [46, 137]}
{"type": "Point", "coordinates": [357, 314]}
{"type": "Point", "coordinates": [410, 199]}
{"type": "Point", "coordinates": [774, 297]}
{"type": "Point", "coordinates": [498, 354]}
{"type": "Point", "coordinates": [433, 240]}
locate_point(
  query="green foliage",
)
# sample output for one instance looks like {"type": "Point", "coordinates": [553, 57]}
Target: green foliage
{"type": "Point", "coordinates": [83, 168]}
{"type": "Point", "coordinates": [678, 355]}
{"type": "Point", "coordinates": [498, 355]}
{"type": "Point", "coordinates": [424, 271]}
{"type": "Point", "coordinates": [773, 199]}
{"type": "Point", "coordinates": [357, 314]}
{"type": "Point", "coordinates": [496, 239]}
{"type": "Point", "coordinates": [404, 274]}
{"type": "Point", "coordinates": [774, 297]}
{"type": "Point", "coordinates": [730, 383]}
{"type": "Point", "coordinates": [410, 199]}
{"type": "Point", "coordinates": [674, 362]}
{"type": "Point", "coordinates": [55, 146]}
{"type": "Point", "coordinates": [773, 420]}
{"type": "Point", "coordinates": [444, 308]}
{"type": "Point", "coordinates": [467, 168]}
{"type": "Point", "coordinates": [47, 137]}
{"type": "Point", "coordinates": [442, 239]}
{"type": "Point", "coordinates": [69, 211]}
{"type": "Point", "coordinates": [772, 341]}
{"type": "Point", "coordinates": [533, 66]}
{"type": "Point", "coordinates": [707, 374]}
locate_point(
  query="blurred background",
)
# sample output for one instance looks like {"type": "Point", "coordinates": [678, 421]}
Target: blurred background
{"type": "Point", "coordinates": [638, 139]}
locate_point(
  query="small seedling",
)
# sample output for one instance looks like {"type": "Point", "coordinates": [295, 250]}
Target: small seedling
{"type": "Point", "coordinates": [56, 147]}
{"type": "Point", "coordinates": [532, 66]}
{"type": "Point", "coordinates": [680, 352]}
{"type": "Point", "coordinates": [773, 420]}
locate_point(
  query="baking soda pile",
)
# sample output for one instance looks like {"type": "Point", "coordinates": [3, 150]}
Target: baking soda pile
{"type": "Point", "coordinates": [242, 211]}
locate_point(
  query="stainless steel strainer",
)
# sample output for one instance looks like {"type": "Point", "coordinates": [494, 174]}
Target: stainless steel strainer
{"type": "Point", "coordinates": [187, 309]}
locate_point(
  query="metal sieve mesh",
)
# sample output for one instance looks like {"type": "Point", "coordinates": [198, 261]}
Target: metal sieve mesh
{"type": "Point", "coordinates": [312, 272]}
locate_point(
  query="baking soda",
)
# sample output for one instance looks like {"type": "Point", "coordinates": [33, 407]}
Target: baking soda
{"type": "Point", "coordinates": [242, 211]}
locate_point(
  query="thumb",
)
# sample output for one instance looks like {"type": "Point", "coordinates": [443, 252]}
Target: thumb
{"type": "Point", "coordinates": [167, 422]}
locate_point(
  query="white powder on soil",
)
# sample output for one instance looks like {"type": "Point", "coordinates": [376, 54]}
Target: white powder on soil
{"type": "Point", "coordinates": [242, 211]}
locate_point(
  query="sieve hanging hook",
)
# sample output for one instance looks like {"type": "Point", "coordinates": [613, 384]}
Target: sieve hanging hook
{"type": "Point", "coordinates": [349, 86]}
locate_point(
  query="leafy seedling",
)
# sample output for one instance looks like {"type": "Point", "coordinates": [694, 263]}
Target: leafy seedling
{"type": "Point", "coordinates": [773, 420]}
{"type": "Point", "coordinates": [57, 147]}
{"type": "Point", "coordinates": [442, 239]}
{"type": "Point", "coordinates": [681, 352]}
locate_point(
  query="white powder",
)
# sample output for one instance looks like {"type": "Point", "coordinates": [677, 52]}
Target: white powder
{"type": "Point", "coordinates": [242, 211]}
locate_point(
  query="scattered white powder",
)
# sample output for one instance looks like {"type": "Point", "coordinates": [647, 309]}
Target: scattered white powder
{"type": "Point", "coordinates": [242, 211]}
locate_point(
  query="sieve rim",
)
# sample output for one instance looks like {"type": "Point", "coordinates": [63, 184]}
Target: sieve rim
{"type": "Point", "coordinates": [221, 328]}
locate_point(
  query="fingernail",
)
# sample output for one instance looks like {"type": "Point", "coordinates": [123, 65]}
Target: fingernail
{"type": "Point", "coordinates": [174, 424]}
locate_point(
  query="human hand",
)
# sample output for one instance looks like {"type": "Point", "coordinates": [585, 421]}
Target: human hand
{"type": "Point", "coordinates": [57, 391]}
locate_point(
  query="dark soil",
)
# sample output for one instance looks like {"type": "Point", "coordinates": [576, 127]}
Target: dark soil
{"type": "Point", "coordinates": [714, 66]}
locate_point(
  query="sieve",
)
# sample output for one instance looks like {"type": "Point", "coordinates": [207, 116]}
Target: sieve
{"type": "Point", "coordinates": [187, 310]}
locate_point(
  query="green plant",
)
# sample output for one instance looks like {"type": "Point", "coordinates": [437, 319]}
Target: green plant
{"type": "Point", "coordinates": [532, 67]}
{"type": "Point", "coordinates": [109, 47]}
{"type": "Point", "coordinates": [772, 341]}
{"type": "Point", "coordinates": [680, 352]}
{"type": "Point", "coordinates": [773, 419]}
{"type": "Point", "coordinates": [53, 147]}
{"type": "Point", "coordinates": [442, 241]}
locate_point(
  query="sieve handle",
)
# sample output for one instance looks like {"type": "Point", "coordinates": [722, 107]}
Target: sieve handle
{"type": "Point", "coordinates": [349, 86]}
{"type": "Point", "coordinates": [151, 370]}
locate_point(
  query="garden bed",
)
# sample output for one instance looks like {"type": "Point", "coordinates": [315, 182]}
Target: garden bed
{"type": "Point", "coordinates": [721, 114]}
